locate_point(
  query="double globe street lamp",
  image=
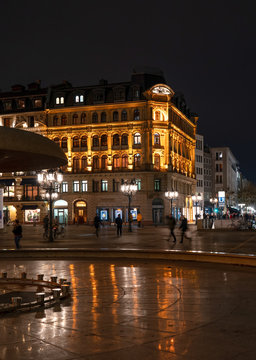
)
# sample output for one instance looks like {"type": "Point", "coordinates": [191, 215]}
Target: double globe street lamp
{"type": "Point", "coordinates": [50, 181]}
{"type": "Point", "coordinates": [196, 198]}
{"type": "Point", "coordinates": [129, 189]}
{"type": "Point", "coordinates": [171, 195]}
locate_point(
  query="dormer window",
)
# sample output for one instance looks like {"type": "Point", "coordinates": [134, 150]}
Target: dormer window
{"type": "Point", "coordinates": [59, 100]}
{"type": "Point", "coordinates": [62, 100]}
{"type": "Point", "coordinates": [79, 98]}
{"type": "Point", "coordinates": [21, 104]}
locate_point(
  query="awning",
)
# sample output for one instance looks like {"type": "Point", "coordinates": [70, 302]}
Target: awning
{"type": "Point", "coordinates": [29, 207]}
{"type": "Point", "coordinates": [29, 181]}
{"type": "Point", "coordinates": [7, 182]}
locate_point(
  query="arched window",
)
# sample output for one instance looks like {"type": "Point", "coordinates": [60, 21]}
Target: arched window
{"type": "Point", "coordinates": [124, 161]}
{"type": "Point", "coordinates": [75, 119]}
{"type": "Point", "coordinates": [55, 120]}
{"type": "Point", "coordinates": [75, 141]}
{"type": "Point", "coordinates": [136, 115]}
{"type": "Point", "coordinates": [116, 161]}
{"type": "Point", "coordinates": [56, 140]}
{"type": "Point", "coordinates": [115, 116]}
{"type": "Point", "coordinates": [95, 141]}
{"type": "Point", "coordinates": [84, 141]}
{"type": "Point", "coordinates": [157, 115]}
{"type": "Point", "coordinates": [157, 161]}
{"type": "Point", "coordinates": [104, 140]}
{"type": "Point", "coordinates": [137, 139]}
{"type": "Point", "coordinates": [77, 99]}
{"type": "Point", "coordinates": [83, 118]}
{"type": "Point", "coordinates": [76, 164]}
{"type": "Point", "coordinates": [156, 139]}
{"type": "Point", "coordinates": [104, 161]}
{"type": "Point", "coordinates": [95, 163]}
{"type": "Point", "coordinates": [63, 120]}
{"type": "Point", "coordinates": [94, 117]}
{"type": "Point", "coordinates": [62, 100]}
{"type": "Point", "coordinates": [137, 160]}
{"type": "Point", "coordinates": [124, 139]}
{"type": "Point", "coordinates": [103, 117]}
{"type": "Point", "coordinates": [124, 115]}
{"type": "Point", "coordinates": [84, 163]}
{"type": "Point", "coordinates": [64, 143]}
{"type": "Point", "coordinates": [116, 140]}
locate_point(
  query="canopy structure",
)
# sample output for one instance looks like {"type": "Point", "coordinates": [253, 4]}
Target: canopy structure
{"type": "Point", "coordinates": [22, 150]}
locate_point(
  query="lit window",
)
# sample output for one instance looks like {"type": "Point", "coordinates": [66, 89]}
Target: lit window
{"type": "Point", "coordinates": [138, 183]}
{"type": "Point", "coordinates": [57, 100]}
{"type": "Point", "coordinates": [157, 139]}
{"type": "Point", "coordinates": [64, 187]}
{"type": "Point", "coordinates": [75, 186]}
{"type": "Point", "coordinates": [137, 139]}
{"type": "Point", "coordinates": [77, 99]}
{"type": "Point", "coordinates": [84, 185]}
{"type": "Point", "coordinates": [81, 98]}
{"type": "Point", "coordinates": [137, 160]}
{"type": "Point", "coordinates": [62, 100]}
{"type": "Point", "coordinates": [104, 185]}
{"type": "Point", "coordinates": [157, 185]}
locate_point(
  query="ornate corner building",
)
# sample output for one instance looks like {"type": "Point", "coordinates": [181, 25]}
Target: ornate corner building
{"type": "Point", "coordinates": [138, 130]}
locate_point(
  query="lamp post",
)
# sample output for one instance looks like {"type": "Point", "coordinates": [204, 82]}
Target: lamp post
{"type": "Point", "coordinates": [171, 195]}
{"type": "Point", "coordinates": [196, 198]}
{"type": "Point", "coordinates": [48, 180]}
{"type": "Point", "coordinates": [129, 189]}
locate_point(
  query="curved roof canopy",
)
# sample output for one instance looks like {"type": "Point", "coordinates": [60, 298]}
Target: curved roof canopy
{"type": "Point", "coordinates": [22, 150]}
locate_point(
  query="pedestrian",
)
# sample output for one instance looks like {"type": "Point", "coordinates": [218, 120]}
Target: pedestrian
{"type": "Point", "coordinates": [17, 231]}
{"type": "Point", "coordinates": [172, 224]}
{"type": "Point", "coordinates": [97, 224]}
{"type": "Point", "coordinates": [139, 218]}
{"type": "Point", "coordinates": [119, 223]}
{"type": "Point", "coordinates": [46, 225]}
{"type": "Point", "coordinates": [184, 228]}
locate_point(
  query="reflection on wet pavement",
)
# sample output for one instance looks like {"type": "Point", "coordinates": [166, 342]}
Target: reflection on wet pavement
{"type": "Point", "coordinates": [137, 309]}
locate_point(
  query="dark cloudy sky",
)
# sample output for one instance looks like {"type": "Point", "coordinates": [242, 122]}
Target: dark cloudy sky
{"type": "Point", "coordinates": [206, 49]}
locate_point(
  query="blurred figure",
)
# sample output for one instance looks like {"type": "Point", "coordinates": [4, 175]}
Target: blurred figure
{"type": "Point", "coordinates": [184, 228]}
{"type": "Point", "coordinates": [97, 224]}
{"type": "Point", "coordinates": [119, 223]}
{"type": "Point", "coordinates": [139, 218]}
{"type": "Point", "coordinates": [172, 224]}
{"type": "Point", "coordinates": [17, 231]}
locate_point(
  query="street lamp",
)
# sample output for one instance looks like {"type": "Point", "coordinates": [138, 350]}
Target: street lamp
{"type": "Point", "coordinates": [129, 189]}
{"type": "Point", "coordinates": [49, 180]}
{"type": "Point", "coordinates": [196, 198]}
{"type": "Point", "coordinates": [171, 195]}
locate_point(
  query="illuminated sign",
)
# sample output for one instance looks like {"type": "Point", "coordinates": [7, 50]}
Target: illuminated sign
{"type": "Point", "coordinates": [221, 196]}
{"type": "Point", "coordinates": [1, 209]}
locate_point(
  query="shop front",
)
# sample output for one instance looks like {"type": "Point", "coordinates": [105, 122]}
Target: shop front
{"type": "Point", "coordinates": [60, 211]}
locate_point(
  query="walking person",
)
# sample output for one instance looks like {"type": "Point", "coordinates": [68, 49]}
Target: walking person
{"type": "Point", "coordinates": [46, 226]}
{"type": "Point", "coordinates": [97, 224]}
{"type": "Point", "coordinates": [172, 224]}
{"type": "Point", "coordinates": [119, 223]}
{"type": "Point", "coordinates": [139, 218]}
{"type": "Point", "coordinates": [17, 231]}
{"type": "Point", "coordinates": [184, 228]}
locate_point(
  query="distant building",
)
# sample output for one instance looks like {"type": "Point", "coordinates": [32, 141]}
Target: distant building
{"type": "Point", "coordinates": [199, 169]}
{"type": "Point", "coordinates": [208, 180]}
{"type": "Point", "coordinates": [135, 130]}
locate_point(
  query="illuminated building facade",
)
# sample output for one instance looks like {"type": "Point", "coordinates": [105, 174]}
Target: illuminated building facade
{"type": "Point", "coordinates": [137, 130]}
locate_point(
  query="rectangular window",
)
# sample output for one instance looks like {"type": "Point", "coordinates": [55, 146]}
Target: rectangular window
{"type": "Point", "coordinates": [219, 155]}
{"type": "Point", "coordinates": [157, 185]}
{"type": "Point", "coordinates": [75, 186]}
{"type": "Point", "coordinates": [138, 183]}
{"type": "Point", "coordinates": [31, 192]}
{"type": "Point", "coordinates": [115, 186]}
{"type": "Point", "coordinates": [104, 185]}
{"type": "Point", "coordinates": [21, 104]}
{"type": "Point", "coordinates": [57, 188]}
{"type": "Point", "coordinates": [64, 187]}
{"type": "Point", "coordinates": [95, 186]}
{"type": "Point", "coordinates": [9, 191]}
{"type": "Point", "coordinates": [84, 185]}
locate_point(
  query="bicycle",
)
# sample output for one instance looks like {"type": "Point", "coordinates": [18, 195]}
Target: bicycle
{"type": "Point", "coordinates": [59, 232]}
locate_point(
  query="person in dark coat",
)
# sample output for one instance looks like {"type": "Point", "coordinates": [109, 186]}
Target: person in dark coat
{"type": "Point", "coordinates": [17, 231]}
{"type": "Point", "coordinates": [97, 224]}
{"type": "Point", "coordinates": [184, 228]}
{"type": "Point", "coordinates": [119, 223]}
{"type": "Point", "coordinates": [172, 224]}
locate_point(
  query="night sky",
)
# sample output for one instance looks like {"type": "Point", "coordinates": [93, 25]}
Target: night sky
{"type": "Point", "coordinates": [206, 50]}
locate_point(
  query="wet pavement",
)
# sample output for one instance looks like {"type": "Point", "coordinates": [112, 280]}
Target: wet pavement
{"type": "Point", "coordinates": [137, 309]}
{"type": "Point", "coordinates": [147, 238]}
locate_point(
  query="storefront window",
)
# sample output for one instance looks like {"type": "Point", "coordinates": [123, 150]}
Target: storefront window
{"type": "Point", "coordinates": [32, 215]}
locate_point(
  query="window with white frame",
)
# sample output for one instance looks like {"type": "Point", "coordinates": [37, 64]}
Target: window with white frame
{"type": "Point", "coordinates": [84, 185]}
{"type": "Point", "coordinates": [137, 139]}
{"type": "Point", "coordinates": [104, 185]}
{"type": "Point", "coordinates": [64, 187]}
{"type": "Point", "coordinates": [138, 183]}
{"type": "Point", "coordinates": [75, 186]}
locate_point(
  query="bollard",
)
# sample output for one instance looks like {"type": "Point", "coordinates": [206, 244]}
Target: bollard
{"type": "Point", "coordinates": [54, 279]}
{"type": "Point", "coordinates": [4, 275]}
{"type": "Point", "coordinates": [16, 301]}
{"type": "Point", "coordinates": [56, 293]}
{"type": "Point", "coordinates": [40, 277]}
{"type": "Point", "coordinates": [23, 275]}
{"type": "Point", "coordinates": [40, 298]}
{"type": "Point", "coordinates": [62, 281]}
{"type": "Point", "coordinates": [65, 289]}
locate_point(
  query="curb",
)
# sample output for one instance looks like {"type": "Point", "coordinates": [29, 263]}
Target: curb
{"type": "Point", "coordinates": [170, 255]}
